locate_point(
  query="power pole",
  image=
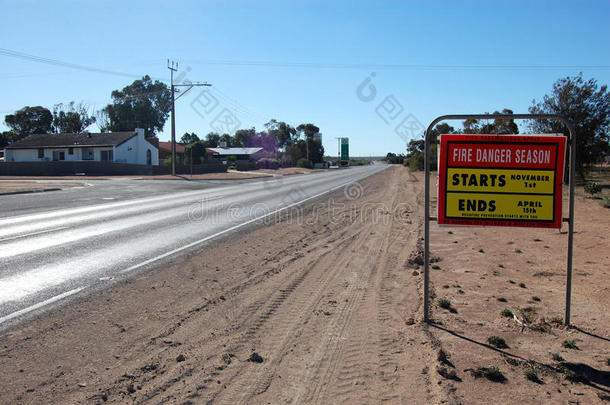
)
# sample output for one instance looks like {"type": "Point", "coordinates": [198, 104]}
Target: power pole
{"type": "Point", "coordinates": [173, 67]}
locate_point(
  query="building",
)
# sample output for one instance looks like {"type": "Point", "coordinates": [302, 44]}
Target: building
{"type": "Point", "coordinates": [165, 152]}
{"type": "Point", "coordinates": [239, 153]}
{"type": "Point", "coordinates": [119, 147]}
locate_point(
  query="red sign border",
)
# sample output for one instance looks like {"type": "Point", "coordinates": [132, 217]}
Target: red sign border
{"type": "Point", "coordinates": [559, 142]}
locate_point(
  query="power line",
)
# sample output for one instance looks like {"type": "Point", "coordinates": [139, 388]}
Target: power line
{"type": "Point", "coordinates": [55, 62]}
{"type": "Point", "coordinates": [398, 66]}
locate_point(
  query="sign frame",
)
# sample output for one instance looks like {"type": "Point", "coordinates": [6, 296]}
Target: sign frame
{"type": "Point", "coordinates": [499, 163]}
{"type": "Point", "coordinates": [570, 143]}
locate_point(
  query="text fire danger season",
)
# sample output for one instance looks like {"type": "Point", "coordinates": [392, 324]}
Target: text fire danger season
{"type": "Point", "coordinates": [501, 180]}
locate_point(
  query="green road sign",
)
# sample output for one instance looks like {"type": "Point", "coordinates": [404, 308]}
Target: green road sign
{"type": "Point", "coordinates": [344, 149]}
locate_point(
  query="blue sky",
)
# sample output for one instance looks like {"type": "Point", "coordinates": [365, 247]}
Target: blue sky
{"type": "Point", "coordinates": [302, 61]}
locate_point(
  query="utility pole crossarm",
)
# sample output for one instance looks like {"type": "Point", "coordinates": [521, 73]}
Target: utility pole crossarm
{"type": "Point", "coordinates": [190, 86]}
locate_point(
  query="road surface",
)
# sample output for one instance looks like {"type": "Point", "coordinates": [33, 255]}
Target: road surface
{"type": "Point", "coordinates": [68, 243]}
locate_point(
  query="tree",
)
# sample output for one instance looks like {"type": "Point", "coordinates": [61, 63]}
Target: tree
{"type": "Point", "coordinates": [227, 139]}
{"type": "Point", "coordinates": [189, 138]}
{"type": "Point", "coordinates": [308, 130]}
{"type": "Point", "coordinates": [71, 118]}
{"type": "Point", "coordinates": [316, 150]}
{"type": "Point", "coordinates": [102, 120]}
{"type": "Point", "coordinates": [196, 150]}
{"type": "Point", "coordinates": [211, 140]}
{"type": "Point", "coordinates": [266, 141]}
{"type": "Point", "coordinates": [284, 133]}
{"type": "Point", "coordinates": [587, 105]}
{"type": "Point", "coordinates": [415, 148]}
{"type": "Point", "coordinates": [142, 104]}
{"type": "Point", "coordinates": [472, 126]}
{"type": "Point", "coordinates": [243, 137]}
{"type": "Point", "coordinates": [5, 138]}
{"type": "Point", "coordinates": [297, 150]}
{"type": "Point", "coordinates": [28, 121]}
{"type": "Point", "coordinates": [393, 158]}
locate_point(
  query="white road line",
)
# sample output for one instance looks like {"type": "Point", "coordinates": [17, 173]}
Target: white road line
{"type": "Point", "coordinates": [207, 238]}
{"type": "Point", "coordinates": [40, 305]}
{"type": "Point", "coordinates": [33, 233]}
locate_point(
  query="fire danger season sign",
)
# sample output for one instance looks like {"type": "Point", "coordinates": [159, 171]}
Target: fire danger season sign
{"type": "Point", "coordinates": [501, 180]}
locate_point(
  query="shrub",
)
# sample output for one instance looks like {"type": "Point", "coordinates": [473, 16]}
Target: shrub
{"type": "Point", "coordinates": [507, 313]}
{"type": "Point", "coordinates": [497, 341]}
{"type": "Point", "coordinates": [557, 357]}
{"type": "Point", "coordinates": [267, 163]}
{"type": "Point", "coordinates": [491, 373]}
{"type": "Point", "coordinates": [443, 303]}
{"type": "Point", "coordinates": [570, 344]}
{"type": "Point", "coordinates": [415, 161]}
{"type": "Point", "coordinates": [494, 374]}
{"type": "Point", "coordinates": [593, 188]}
{"type": "Point", "coordinates": [531, 375]}
{"type": "Point", "coordinates": [304, 163]}
{"type": "Point", "coordinates": [227, 358]}
{"type": "Point", "coordinates": [232, 167]}
{"type": "Point", "coordinates": [574, 377]}
{"type": "Point", "coordinates": [605, 202]}
{"type": "Point", "coordinates": [529, 314]}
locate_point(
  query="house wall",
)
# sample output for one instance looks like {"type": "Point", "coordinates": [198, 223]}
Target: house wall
{"type": "Point", "coordinates": [126, 152]}
{"type": "Point", "coordinates": [21, 155]}
{"type": "Point", "coordinates": [134, 150]}
{"type": "Point", "coordinates": [31, 155]}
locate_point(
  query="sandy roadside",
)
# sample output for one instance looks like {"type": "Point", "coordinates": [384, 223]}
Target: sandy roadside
{"type": "Point", "coordinates": [489, 273]}
{"type": "Point", "coordinates": [330, 298]}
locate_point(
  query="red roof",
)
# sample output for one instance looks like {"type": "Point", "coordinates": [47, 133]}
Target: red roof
{"type": "Point", "coordinates": [167, 146]}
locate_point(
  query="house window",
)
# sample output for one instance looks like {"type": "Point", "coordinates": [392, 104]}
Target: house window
{"type": "Point", "coordinates": [59, 155]}
{"type": "Point", "coordinates": [106, 156]}
{"type": "Point", "coordinates": [148, 157]}
{"type": "Point", "coordinates": [87, 154]}
{"type": "Point", "coordinates": [40, 153]}
{"type": "Point", "coordinates": [70, 151]}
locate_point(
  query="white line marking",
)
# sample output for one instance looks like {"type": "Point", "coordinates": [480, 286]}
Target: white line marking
{"type": "Point", "coordinates": [33, 233]}
{"type": "Point", "coordinates": [207, 238]}
{"type": "Point", "coordinates": [40, 305]}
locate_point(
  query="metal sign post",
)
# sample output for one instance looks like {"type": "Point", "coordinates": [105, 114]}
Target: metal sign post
{"type": "Point", "coordinates": [570, 219]}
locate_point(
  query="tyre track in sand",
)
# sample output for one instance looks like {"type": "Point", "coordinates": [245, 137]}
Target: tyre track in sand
{"type": "Point", "coordinates": [292, 321]}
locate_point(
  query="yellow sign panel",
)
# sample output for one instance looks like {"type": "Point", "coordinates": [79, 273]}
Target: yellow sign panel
{"type": "Point", "coordinates": [500, 180]}
{"type": "Point", "coordinates": [500, 206]}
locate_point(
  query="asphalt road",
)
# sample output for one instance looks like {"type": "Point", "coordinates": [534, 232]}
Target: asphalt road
{"type": "Point", "coordinates": [63, 244]}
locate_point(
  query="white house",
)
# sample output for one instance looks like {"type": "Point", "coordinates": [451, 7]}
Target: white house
{"type": "Point", "coordinates": [120, 147]}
